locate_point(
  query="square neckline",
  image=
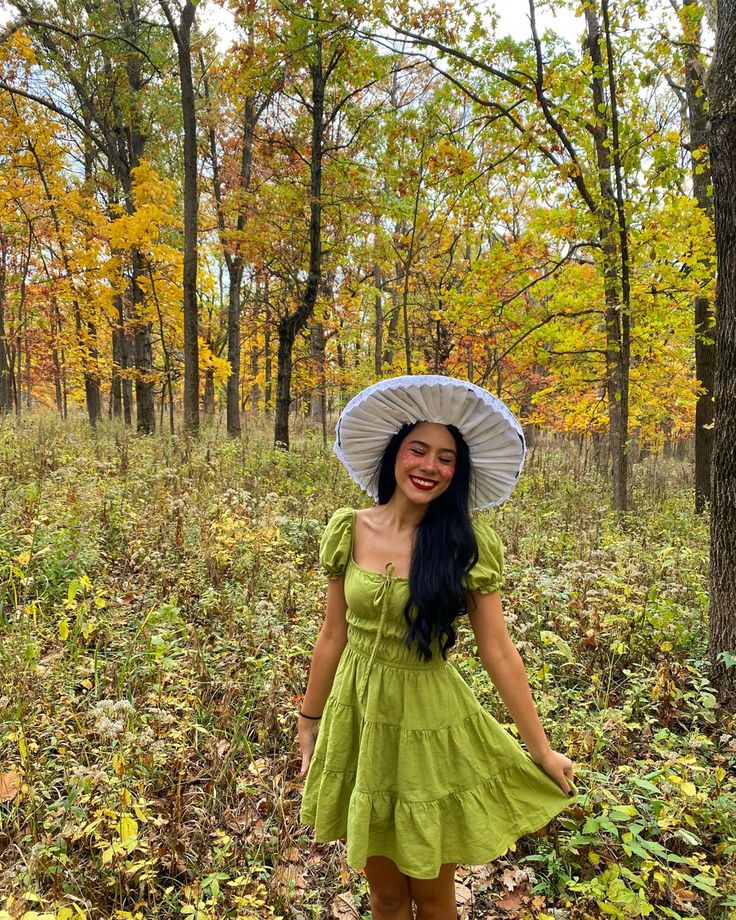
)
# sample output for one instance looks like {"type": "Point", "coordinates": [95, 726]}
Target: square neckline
{"type": "Point", "coordinates": [351, 557]}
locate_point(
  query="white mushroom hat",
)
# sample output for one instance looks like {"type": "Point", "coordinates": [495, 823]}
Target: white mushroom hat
{"type": "Point", "coordinates": [493, 434]}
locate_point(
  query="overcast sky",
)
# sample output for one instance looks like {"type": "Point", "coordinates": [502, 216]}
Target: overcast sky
{"type": "Point", "coordinates": [514, 20]}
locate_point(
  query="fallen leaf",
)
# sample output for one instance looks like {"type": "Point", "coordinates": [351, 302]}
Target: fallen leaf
{"type": "Point", "coordinates": [463, 894]}
{"type": "Point", "coordinates": [684, 896]}
{"type": "Point", "coordinates": [343, 907]}
{"type": "Point", "coordinates": [511, 878]}
{"type": "Point", "coordinates": [510, 901]}
{"type": "Point", "coordinates": [9, 785]}
{"type": "Point", "coordinates": [287, 875]}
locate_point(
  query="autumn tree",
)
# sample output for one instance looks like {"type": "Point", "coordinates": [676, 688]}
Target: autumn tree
{"type": "Point", "coordinates": [321, 51]}
{"type": "Point", "coordinates": [591, 152]}
{"type": "Point", "coordinates": [236, 94]}
{"type": "Point", "coordinates": [40, 282]}
{"type": "Point", "coordinates": [99, 52]}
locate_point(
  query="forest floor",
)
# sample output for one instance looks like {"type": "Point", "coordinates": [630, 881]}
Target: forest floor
{"type": "Point", "coordinates": [159, 601]}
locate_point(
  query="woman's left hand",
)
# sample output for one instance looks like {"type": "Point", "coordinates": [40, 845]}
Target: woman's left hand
{"type": "Point", "coordinates": [558, 766]}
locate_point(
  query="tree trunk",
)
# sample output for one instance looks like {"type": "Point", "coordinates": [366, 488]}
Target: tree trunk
{"type": "Point", "coordinates": [255, 390]}
{"type": "Point", "coordinates": [378, 284]}
{"type": "Point", "coordinates": [122, 395]}
{"type": "Point", "coordinates": [704, 319]}
{"type": "Point", "coordinates": [616, 371]}
{"type": "Point", "coordinates": [64, 389]}
{"type": "Point", "coordinates": [410, 258]}
{"type": "Point", "coordinates": [208, 397]}
{"type": "Point", "coordinates": [287, 334]}
{"type": "Point", "coordinates": [129, 361]}
{"type": "Point", "coordinates": [317, 353]}
{"type": "Point", "coordinates": [6, 387]}
{"type": "Point", "coordinates": [378, 323]}
{"type": "Point", "coordinates": [442, 343]}
{"type": "Point", "coordinates": [621, 474]}
{"type": "Point", "coordinates": [721, 87]}
{"type": "Point", "coordinates": [233, 350]}
{"type": "Point", "coordinates": [143, 359]}
{"type": "Point", "coordinates": [267, 359]}
{"type": "Point", "coordinates": [182, 35]}
{"type": "Point", "coordinates": [292, 324]}
{"type": "Point", "coordinates": [89, 351]}
{"type": "Point", "coordinates": [86, 339]}
{"type": "Point", "coordinates": [27, 350]}
{"type": "Point", "coordinates": [22, 320]}
{"type": "Point", "coordinates": [91, 378]}
{"type": "Point", "coordinates": [55, 330]}
{"type": "Point", "coordinates": [116, 390]}
{"type": "Point", "coordinates": [393, 320]}
{"type": "Point", "coordinates": [145, 409]}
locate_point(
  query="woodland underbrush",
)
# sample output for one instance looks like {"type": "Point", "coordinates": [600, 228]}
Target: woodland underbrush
{"type": "Point", "coordinates": [159, 601]}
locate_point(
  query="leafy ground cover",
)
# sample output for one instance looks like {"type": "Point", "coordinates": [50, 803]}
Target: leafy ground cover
{"type": "Point", "coordinates": [159, 600]}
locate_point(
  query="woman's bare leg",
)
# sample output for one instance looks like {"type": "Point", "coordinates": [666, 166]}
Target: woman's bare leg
{"type": "Point", "coordinates": [390, 897]}
{"type": "Point", "coordinates": [435, 898]}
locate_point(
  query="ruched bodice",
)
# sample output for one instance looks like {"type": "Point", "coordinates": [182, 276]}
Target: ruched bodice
{"type": "Point", "coordinates": [375, 616]}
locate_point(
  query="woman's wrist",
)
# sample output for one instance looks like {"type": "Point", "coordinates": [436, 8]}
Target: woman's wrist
{"type": "Point", "coordinates": [538, 753]}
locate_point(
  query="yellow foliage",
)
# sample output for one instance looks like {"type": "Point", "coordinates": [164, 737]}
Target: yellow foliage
{"type": "Point", "coordinates": [219, 366]}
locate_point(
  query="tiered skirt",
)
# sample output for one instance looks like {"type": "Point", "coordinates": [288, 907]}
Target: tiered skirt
{"type": "Point", "coordinates": [408, 765]}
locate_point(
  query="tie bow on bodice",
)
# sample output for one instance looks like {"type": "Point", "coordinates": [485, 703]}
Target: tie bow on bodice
{"type": "Point", "coordinates": [388, 580]}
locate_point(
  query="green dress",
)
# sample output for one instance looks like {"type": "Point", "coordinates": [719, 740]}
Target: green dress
{"type": "Point", "coordinates": [407, 763]}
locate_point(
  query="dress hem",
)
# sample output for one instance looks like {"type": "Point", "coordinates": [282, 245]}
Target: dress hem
{"type": "Point", "coordinates": [542, 820]}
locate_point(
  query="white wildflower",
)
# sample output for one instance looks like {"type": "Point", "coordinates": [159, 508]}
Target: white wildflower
{"type": "Point", "coordinates": [108, 729]}
{"type": "Point", "coordinates": [110, 717]}
{"type": "Point", "coordinates": [157, 750]}
{"type": "Point", "coordinates": [161, 716]}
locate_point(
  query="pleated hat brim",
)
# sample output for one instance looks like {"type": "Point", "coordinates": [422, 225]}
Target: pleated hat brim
{"type": "Point", "coordinates": [493, 434]}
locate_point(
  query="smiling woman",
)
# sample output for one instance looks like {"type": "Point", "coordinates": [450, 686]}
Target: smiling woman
{"type": "Point", "coordinates": [407, 767]}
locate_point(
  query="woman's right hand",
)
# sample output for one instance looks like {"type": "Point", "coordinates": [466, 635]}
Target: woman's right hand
{"type": "Point", "coordinates": [559, 767]}
{"type": "Point", "coordinates": [307, 730]}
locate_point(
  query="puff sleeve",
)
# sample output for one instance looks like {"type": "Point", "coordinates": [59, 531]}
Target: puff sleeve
{"type": "Point", "coordinates": [336, 543]}
{"type": "Point", "coordinates": [486, 576]}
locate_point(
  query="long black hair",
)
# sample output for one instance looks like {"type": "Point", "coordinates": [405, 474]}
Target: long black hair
{"type": "Point", "coordinates": [445, 548]}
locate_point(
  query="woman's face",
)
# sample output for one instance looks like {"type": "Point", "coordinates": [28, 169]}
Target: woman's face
{"type": "Point", "coordinates": [425, 463]}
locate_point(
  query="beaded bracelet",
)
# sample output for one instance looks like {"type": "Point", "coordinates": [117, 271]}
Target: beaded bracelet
{"type": "Point", "coordinates": [308, 717]}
